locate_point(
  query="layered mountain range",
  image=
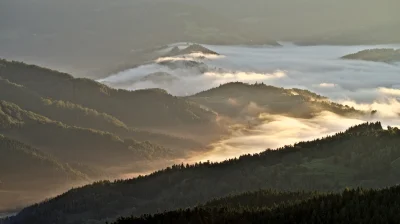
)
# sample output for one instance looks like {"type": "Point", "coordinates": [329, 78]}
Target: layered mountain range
{"type": "Point", "coordinates": [58, 132]}
{"type": "Point", "coordinates": [94, 132]}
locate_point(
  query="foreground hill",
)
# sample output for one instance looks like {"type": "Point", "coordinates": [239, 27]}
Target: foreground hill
{"type": "Point", "coordinates": [22, 165]}
{"type": "Point", "coordinates": [348, 207]}
{"type": "Point", "coordinates": [378, 55]}
{"type": "Point", "coordinates": [365, 155]}
{"type": "Point", "coordinates": [241, 99]}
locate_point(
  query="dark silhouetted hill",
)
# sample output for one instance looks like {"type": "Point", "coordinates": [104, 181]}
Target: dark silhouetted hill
{"type": "Point", "coordinates": [349, 206]}
{"type": "Point", "coordinates": [366, 155]}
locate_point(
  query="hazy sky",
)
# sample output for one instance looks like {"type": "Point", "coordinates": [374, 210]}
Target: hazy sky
{"type": "Point", "coordinates": [92, 37]}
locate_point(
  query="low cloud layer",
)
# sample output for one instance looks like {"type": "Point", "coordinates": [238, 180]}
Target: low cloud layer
{"type": "Point", "coordinates": [317, 68]}
{"type": "Point", "coordinates": [278, 130]}
{"type": "Point", "coordinates": [361, 84]}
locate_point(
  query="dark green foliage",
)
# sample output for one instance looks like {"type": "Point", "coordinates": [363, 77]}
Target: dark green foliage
{"type": "Point", "coordinates": [257, 199]}
{"type": "Point", "coordinates": [350, 206]}
{"type": "Point", "coordinates": [379, 55]}
{"type": "Point", "coordinates": [365, 155]}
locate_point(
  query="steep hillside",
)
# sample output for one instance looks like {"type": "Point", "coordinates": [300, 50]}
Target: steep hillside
{"type": "Point", "coordinates": [350, 206]}
{"type": "Point", "coordinates": [377, 55]}
{"type": "Point", "coordinates": [151, 109]}
{"type": "Point", "coordinates": [240, 100]}
{"type": "Point", "coordinates": [73, 144]}
{"type": "Point", "coordinates": [76, 115]}
{"type": "Point", "coordinates": [364, 155]}
{"type": "Point", "coordinates": [66, 112]}
{"type": "Point", "coordinates": [23, 167]}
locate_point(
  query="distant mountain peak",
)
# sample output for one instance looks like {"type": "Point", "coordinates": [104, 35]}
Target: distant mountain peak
{"type": "Point", "coordinates": [193, 48]}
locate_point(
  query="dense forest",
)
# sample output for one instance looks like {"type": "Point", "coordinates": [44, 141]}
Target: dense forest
{"type": "Point", "coordinates": [365, 155]}
{"type": "Point", "coordinates": [347, 207]}
{"type": "Point", "coordinates": [378, 55]}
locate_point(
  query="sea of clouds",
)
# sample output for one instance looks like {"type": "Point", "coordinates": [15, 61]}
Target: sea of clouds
{"type": "Point", "coordinates": [361, 84]}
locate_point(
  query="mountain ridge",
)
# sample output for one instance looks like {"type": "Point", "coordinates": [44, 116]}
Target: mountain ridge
{"type": "Point", "coordinates": [128, 106]}
{"type": "Point", "coordinates": [364, 155]}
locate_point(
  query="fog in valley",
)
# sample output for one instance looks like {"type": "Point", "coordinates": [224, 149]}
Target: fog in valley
{"type": "Point", "coordinates": [96, 94]}
{"type": "Point", "coordinates": [363, 85]}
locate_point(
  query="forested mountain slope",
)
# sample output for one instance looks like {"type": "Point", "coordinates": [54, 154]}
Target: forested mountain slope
{"type": "Point", "coordinates": [22, 165]}
{"type": "Point", "coordinates": [66, 112]}
{"type": "Point", "coordinates": [76, 115]}
{"type": "Point", "coordinates": [365, 155]}
{"type": "Point", "coordinates": [348, 207]}
{"type": "Point", "coordinates": [241, 99]}
{"type": "Point", "coordinates": [88, 140]}
{"type": "Point", "coordinates": [151, 109]}
{"type": "Point", "coordinates": [73, 144]}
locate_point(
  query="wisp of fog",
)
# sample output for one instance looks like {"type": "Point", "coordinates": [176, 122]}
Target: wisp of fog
{"type": "Point", "coordinates": [361, 84]}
